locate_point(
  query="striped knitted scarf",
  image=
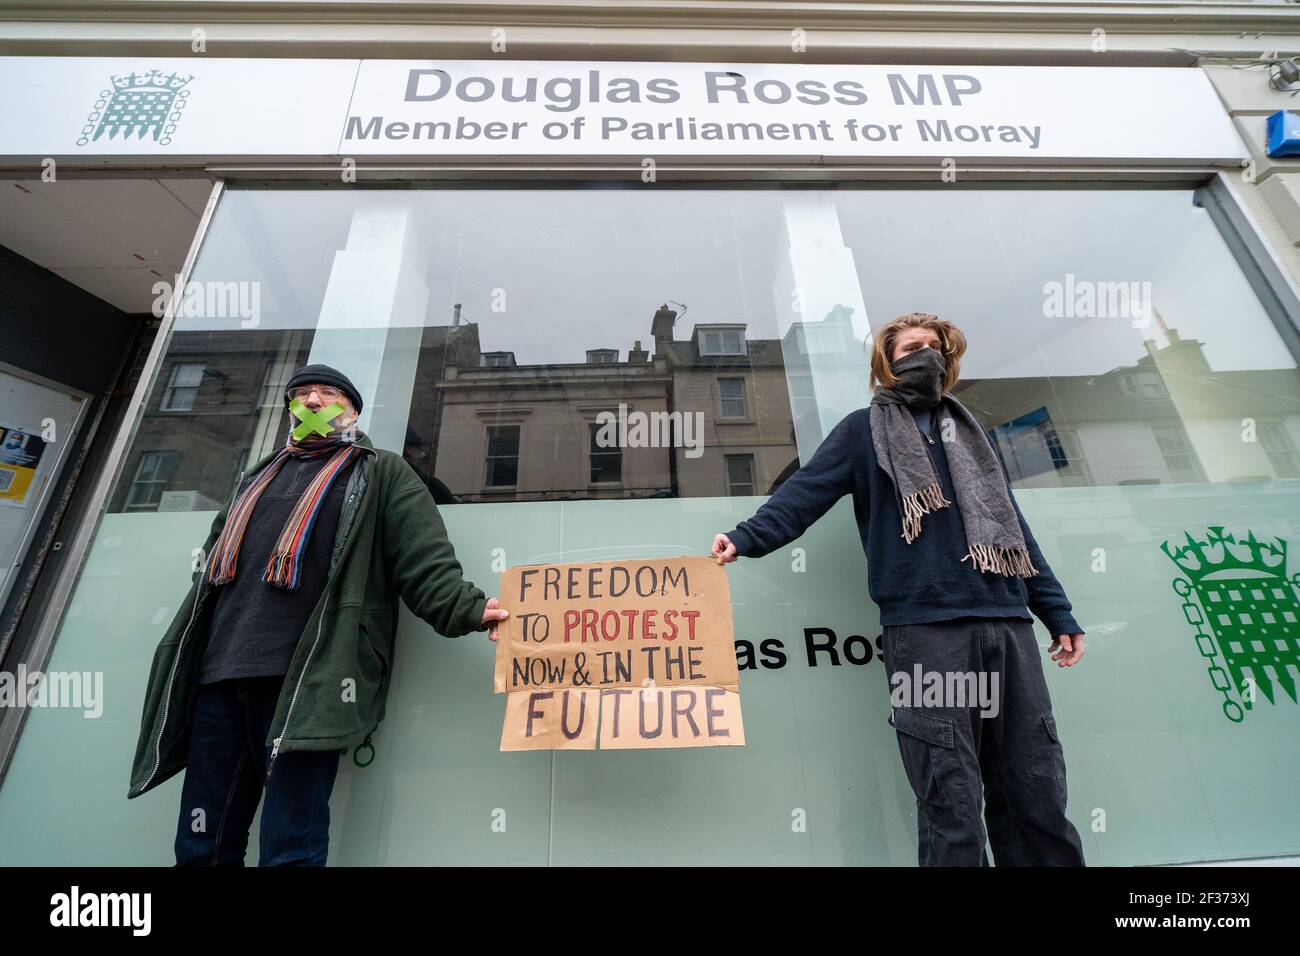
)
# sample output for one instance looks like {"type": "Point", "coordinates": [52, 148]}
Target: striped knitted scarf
{"type": "Point", "coordinates": [285, 563]}
{"type": "Point", "coordinates": [993, 537]}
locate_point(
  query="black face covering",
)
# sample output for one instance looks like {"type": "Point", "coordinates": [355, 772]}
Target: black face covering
{"type": "Point", "coordinates": [995, 543]}
{"type": "Point", "coordinates": [920, 378]}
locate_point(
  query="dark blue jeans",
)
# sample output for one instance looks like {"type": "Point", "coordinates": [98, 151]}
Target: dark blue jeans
{"type": "Point", "coordinates": [955, 751]}
{"type": "Point", "coordinates": [225, 778]}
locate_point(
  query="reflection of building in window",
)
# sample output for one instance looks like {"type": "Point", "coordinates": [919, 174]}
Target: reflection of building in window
{"type": "Point", "coordinates": [560, 401]}
{"type": "Point", "coordinates": [502, 455]}
{"type": "Point", "coordinates": [1280, 449]}
{"type": "Point", "coordinates": [241, 407]}
{"type": "Point", "coordinates": [703, 397]}
{"type": "Point", "coordinates": [731, 395]}
{"type": "Point", "coordinates": [1176, 449]}
{"type": "Point", "coordinates": [670, 415]}
{"type": "Point", "coordinates": [1112, 429]}
{"type": "Point", "coordinates": [152, 473]}
{"type": "Point", "coordinates": [1143, 383]}
{"type": "Point", "coordinates": [445, 350]}
{"type": "Point", "coordinates": [803, 396]}
{"type": "Point", "coordinates": [1033, 445]}
{"type": "Point", "coordinates": [721, 339]}
{"type": "Point", "coordinates": [740, 475]}
{"type": "Point", "coordinates": [498, 359]}
{"type": "Point", "coordinates": [1030, 445]}
{"type": "Point", "coordinates": [182, 387]}
{"type": "Point", "coordinates": [741, 397]}
{"type": "Point", "coordinates": [606, 462]}
{"type": "Point", "coordinates": [827, 366]}
{"type": "Point", "coordinates": [273, 385]}
{"type": "Point", "coordinates": [1063, 446]}
{"type": "Point", "coordinates": [830, 335]}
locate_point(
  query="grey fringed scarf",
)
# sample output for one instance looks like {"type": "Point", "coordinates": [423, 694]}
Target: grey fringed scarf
{"type": "Point", "coordinates": [992, 528]}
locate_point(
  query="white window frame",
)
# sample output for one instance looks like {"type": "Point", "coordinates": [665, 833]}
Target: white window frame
{"type": "Point", "coordinates": [723, 399]}
{"type": "Point", "coordinates": [1279, 448]}
{"type": "Point", "coordinates": [753, 474]}
{"type": "Point", "coordinates": [161, 455]}
{"type": "Point", "coordinates": [169, 403]}
{"type": "Point", "coordinates": [717, 333]}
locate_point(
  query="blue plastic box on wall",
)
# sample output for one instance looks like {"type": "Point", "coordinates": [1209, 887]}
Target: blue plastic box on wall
{"type": "Point", "coordinates": [1284, 133]}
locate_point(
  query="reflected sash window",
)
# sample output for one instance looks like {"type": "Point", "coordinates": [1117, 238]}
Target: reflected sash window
{"type": "Point", "coordinates": [1063, 446]}
{"type": "Point", "coordinates": [152, 474]}
{"type": "Point", "coordinates": [1176, 450]}
{"type": "Point", "coordinates": [722, 341]}
{"type": "Point", "coordinates": [606, 462]}
{"type": "Point", "coordinates": [183, 387]}
{"type": "Point", "coordinates": [1280, 448]}
{"type": "Point", "coordinates": [740, 475]}
{"type": "Point", "coordinates": [502, 455]}
{"type": "Point", "coordinates": [731, 393]}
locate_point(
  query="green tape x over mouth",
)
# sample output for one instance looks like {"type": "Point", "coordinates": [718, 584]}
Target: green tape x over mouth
{"type": "Point", "coordinates": [313, 421]}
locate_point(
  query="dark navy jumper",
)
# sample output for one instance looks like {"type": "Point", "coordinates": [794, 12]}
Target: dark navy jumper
{"type": "Point", "coordinates": [915, 583]}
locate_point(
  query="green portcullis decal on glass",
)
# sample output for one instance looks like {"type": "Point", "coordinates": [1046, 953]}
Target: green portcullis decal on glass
{"type": "Point", "coordinates": [310, 421]}
{"type": "Point", "coordinates": [1249, 605]}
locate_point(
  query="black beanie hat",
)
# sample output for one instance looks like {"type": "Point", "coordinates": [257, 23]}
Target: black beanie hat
{"type": "Point", "coordinates": [323, 375]}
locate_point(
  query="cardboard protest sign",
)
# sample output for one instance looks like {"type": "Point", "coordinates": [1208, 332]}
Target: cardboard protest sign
{"type": "Point", "coordinates": [644, 650]}
{"type": "Point", "coordinates": [689, 716]}
{"type": "Point", "coordinates": [551, 721]}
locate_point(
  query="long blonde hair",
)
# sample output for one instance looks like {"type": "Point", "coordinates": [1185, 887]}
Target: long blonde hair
{"type": "Point", "coordinates": [952, 343]}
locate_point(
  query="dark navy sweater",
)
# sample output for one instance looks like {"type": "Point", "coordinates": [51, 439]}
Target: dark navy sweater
{"type": "Point", "coordinates": [911, 583]}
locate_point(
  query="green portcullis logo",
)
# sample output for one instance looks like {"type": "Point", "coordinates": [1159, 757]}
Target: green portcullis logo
{"type": "Point", "coordinates": [140, 105]}
{"type": "Point", "coordinates": [1245, 599]}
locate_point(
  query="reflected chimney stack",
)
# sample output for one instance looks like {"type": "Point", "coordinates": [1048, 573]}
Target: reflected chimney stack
{"type": "Point", "coordinates": [662, 325]}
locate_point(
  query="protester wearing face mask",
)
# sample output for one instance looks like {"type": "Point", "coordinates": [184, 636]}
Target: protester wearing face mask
{"type": "Point", "coordinates": [280, 658]}
{"type": "Point", "coordinates": [955, 571]}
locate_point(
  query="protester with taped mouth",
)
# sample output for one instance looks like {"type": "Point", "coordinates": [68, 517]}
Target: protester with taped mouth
{"type": "Point", "coordinates": [954, 569]}
{"type": "Point", "coordinates": [280, 656]}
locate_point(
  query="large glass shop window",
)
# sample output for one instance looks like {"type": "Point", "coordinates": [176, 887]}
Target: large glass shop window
{"type": "Point", "coordinates": [589, 374]}
{"type": "Point", "coordinates": [554, 346]}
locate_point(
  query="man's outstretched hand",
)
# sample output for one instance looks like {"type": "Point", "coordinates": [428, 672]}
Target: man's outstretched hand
{"type": "Point", "coordinates": [1066, 649]}
{"type": "Point", "coordinates": [724, 552]}
{"type": "Point", "coordinates": [493, 613]}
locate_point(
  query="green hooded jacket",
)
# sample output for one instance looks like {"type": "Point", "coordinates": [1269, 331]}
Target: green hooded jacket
{"type": "Point", "coordinates": [390, 541]}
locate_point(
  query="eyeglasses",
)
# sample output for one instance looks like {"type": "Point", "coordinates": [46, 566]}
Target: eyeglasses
{"type": "Point", "coordinates": [326, 392]}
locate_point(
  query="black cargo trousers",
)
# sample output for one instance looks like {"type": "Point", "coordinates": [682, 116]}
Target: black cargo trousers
{"type": "Point", "coordinates": [951, 754]}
